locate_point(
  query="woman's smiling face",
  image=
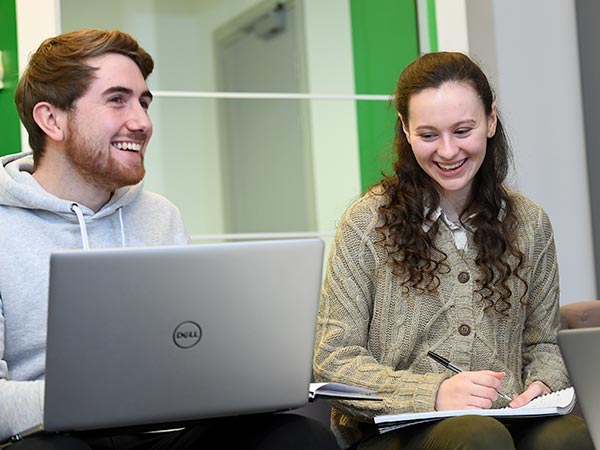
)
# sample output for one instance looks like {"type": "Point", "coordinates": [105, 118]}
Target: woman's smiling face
{"type": "Point", "coordinates": [448, 128]}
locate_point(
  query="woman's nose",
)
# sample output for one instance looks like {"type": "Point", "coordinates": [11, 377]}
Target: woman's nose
{"type": "Point", "coordinates": [447, 148]}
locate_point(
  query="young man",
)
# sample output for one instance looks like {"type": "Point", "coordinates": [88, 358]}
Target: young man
{"type": "Point", "coordinates": [84, 102]}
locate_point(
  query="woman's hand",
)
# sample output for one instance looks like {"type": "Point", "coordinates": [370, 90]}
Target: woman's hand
{"type": "Point", "coordinates": [534, 390]}
{"type": "Point", "coordinates": [469, 390]}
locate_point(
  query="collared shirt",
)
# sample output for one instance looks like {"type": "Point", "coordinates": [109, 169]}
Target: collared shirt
{"type": "Point", "coordinates": [458, 231]}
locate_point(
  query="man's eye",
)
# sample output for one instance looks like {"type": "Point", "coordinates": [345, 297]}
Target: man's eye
{"type": "Point", "coordinates": [116, 99]}
{"type": "Point", "coordinates": [145, 104]}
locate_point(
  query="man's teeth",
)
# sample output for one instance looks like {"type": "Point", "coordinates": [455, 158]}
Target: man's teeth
{"type": "Point", "coordinates": [128, 146]}
{"type": "Point", "coordinates": [452, 166]}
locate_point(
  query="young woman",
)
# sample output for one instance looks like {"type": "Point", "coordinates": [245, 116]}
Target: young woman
{"type": "Point", "coordinates": [442, 256]}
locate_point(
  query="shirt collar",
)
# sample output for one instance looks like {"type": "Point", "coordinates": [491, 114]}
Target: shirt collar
{"type": "Point", "coordinates": [457, 230]}
{"type": "Point", "coordinates": [439, 213]}
{"type": "Point", "coordinates": [428, 223]}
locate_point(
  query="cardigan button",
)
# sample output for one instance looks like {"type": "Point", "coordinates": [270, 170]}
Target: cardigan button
{"type": "Point", "coordinates": [463, 277]}
{"type": "Point", "coordinates": [464, 329]}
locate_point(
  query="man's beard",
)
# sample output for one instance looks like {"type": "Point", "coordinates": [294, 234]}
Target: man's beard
{"type": "Point", "coordinates": [95, 163]}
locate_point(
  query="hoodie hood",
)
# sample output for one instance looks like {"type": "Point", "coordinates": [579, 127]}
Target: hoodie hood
{"type": "Point", "coordinates": [18, 188]}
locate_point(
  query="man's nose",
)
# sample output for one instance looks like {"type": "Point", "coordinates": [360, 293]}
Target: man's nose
{"type": "Point", "coordinates": [139, 120]}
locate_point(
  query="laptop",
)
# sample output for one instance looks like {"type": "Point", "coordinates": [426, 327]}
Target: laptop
{"type": "Point", "coordinates": [580, 348]}
{"type": "Point", "coordinates": [173, 334]}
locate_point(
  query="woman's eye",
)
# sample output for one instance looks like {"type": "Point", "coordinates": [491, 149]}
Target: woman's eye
{"type": "Point", "coordinates": [427, 136]}
{"type": "Point", "coordinates": [463, 131]}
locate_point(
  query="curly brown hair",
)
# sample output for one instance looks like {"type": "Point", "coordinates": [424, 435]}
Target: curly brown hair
{"type": "Point", "coordinates": [58, 73]}
{"type": "Point", "coordinates": [490, 207]}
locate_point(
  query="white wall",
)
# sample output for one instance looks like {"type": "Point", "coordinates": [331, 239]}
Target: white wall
{"type": "Point", "coordinates": [36, 21]}
{"type": "Point", "coordinates": [333, 123]}
{"type": "Point", "coordinates": [452, 31]}
{"type": "Point", "coordinates": [530, 49]}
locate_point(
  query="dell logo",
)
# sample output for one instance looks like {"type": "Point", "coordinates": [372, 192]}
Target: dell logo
{"type": "Point", "coordinates": [187, 334]}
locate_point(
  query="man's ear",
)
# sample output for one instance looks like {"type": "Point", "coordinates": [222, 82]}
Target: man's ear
{"type": "Point", "coordinates": [51, 120]}
{"type": "Point", "coordinates": [404, 128]}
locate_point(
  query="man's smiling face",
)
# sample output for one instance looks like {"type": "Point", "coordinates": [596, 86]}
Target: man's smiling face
{"type": "Point", "coordinates": [109, 127]}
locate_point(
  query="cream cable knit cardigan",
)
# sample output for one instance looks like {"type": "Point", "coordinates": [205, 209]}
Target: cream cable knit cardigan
{"type": "Point", "coordinates": [372, 335]}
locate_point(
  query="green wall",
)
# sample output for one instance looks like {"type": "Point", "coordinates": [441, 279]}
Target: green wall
{"type": "Point", "coordinates": [385, 40]}
{"type": "Point", "coordinates": [432, 26]}
{"type": "Point", "coordinates": [10, 137]}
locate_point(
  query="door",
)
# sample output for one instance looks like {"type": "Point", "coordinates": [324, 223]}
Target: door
{"type": "Point", "coordinates": [266, 157]}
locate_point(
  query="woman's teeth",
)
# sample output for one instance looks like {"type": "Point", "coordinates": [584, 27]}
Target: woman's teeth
{"type": "Point", "coordinates": [451, 166]}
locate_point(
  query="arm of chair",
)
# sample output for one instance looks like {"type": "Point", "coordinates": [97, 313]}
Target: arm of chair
{"type": "Point", "coordinates": [580, 314]}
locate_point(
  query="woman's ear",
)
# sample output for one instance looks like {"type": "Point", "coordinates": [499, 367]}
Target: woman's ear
{"type": "Point", "coordinates": [51, 120]}
{"type": "Point", "coordinates": [404, 128]}
{"type": "Point", "coordinates": [492, 121]}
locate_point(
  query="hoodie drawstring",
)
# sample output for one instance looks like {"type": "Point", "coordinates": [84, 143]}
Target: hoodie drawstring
{"type": "Point", "coordinates": [83, 228]}
{"type": "Point", "coordinates": [122, 227]}
{"type": "Point", "coordinates": [84, 236]}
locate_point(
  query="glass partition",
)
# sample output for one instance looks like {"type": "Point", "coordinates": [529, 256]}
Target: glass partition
{"type": "Point", "coordinates": [258, 129]}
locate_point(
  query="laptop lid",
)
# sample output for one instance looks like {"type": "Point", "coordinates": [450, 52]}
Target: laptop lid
{"type": "Point", "coordinates": [580, 348]}
{"type": "Point", "coordinates": [171, 334]}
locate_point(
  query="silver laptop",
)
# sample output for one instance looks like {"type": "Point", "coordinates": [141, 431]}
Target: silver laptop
{"type": "Point", "coordinates": [164, 335]}
{"type": "Point", "coordinates": [580, 348]}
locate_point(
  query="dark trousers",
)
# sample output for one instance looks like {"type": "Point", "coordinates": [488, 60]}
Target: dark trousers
{"type": "Point", "coordinates": [260, 432]}
{"type": "Point", "coordinates": [567, 432]}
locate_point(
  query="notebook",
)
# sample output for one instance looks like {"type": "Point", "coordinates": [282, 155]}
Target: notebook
{"type": "Point", "coordinates": [580, 348]}
{"type": "Point", "coordinates": [552, 404]}
{"type": "Point", "coordinates": [167, 335]}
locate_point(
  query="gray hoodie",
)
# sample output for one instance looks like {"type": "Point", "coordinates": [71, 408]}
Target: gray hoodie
{"type": "Point", "coordinates": [33, 223]}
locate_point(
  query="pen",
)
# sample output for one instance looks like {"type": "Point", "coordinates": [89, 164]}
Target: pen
{"type": "Point", "coordinates": [444, 362]}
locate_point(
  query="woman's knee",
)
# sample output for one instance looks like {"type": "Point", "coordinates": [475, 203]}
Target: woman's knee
{"type": "Point", "coordinates": [556, 433]}
{"type": "Point", "coordinates": [468, 433]}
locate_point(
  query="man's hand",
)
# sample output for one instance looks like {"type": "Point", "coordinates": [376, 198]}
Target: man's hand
{"type": "Point", "coordinates": [469, 390]}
